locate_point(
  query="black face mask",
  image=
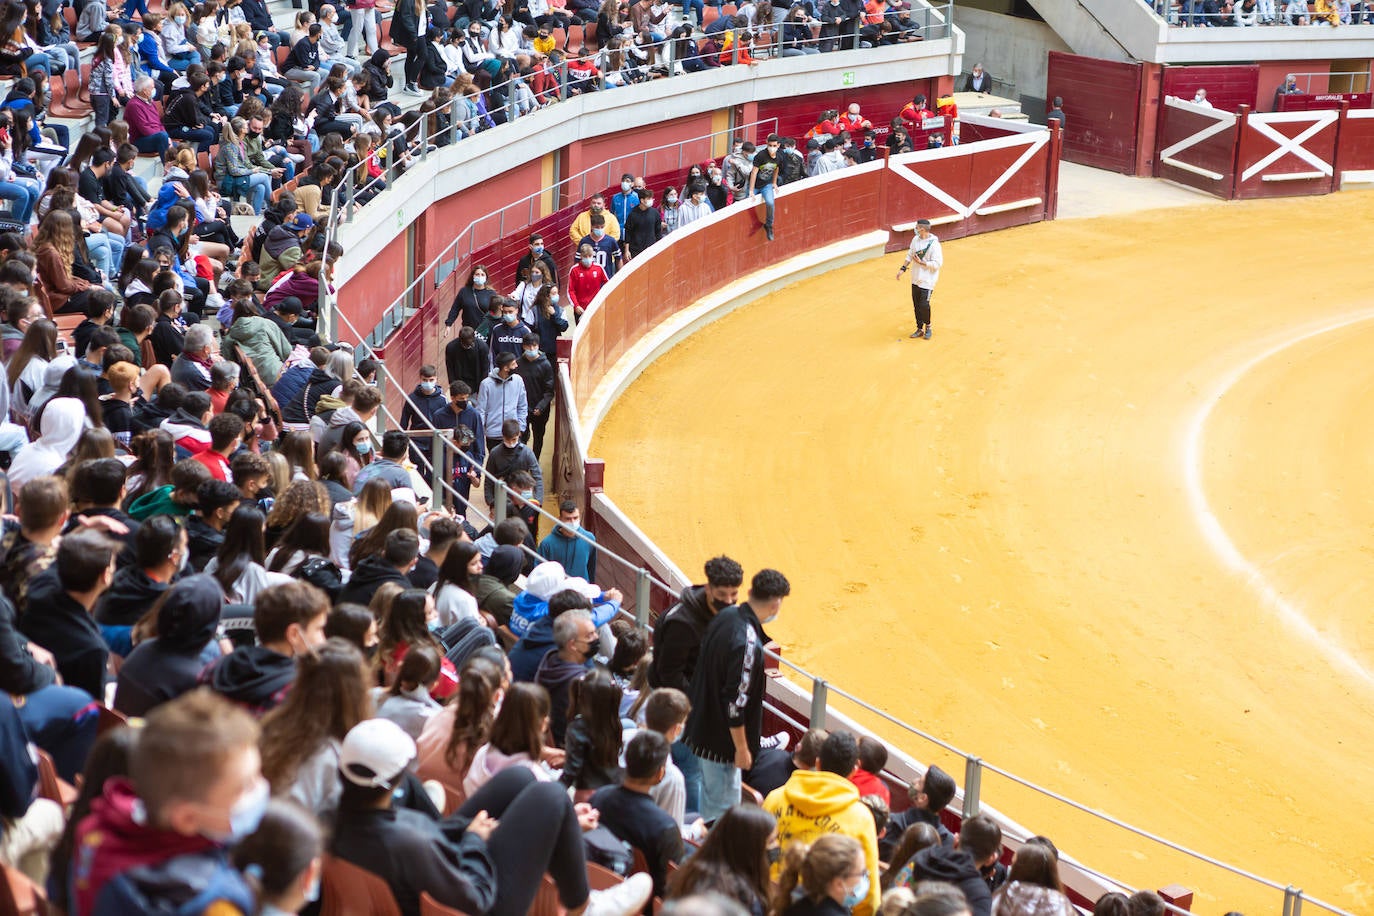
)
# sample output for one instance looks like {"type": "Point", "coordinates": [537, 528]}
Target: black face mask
{"type": "Point", "coordinates": [255, 134]}
{"type": "Point", "coordinates": [460, 406]}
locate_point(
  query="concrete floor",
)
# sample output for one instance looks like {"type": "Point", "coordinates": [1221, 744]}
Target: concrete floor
{"type": "Point", "coordinates": [1086, 192]}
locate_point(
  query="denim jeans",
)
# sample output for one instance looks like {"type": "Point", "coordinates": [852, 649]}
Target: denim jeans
{"type": "Point", "coordinates": [154, 143]}
{"type": "Point", "coordinates": [259, 186]}
{"type": "Point", "coordinates": [99, 248]}
{"type": "Point", "coordinates": [62, 721]}
{"type": "Point", "coordinates": [769, 191]}
{"type": "Point", "coordinates": [25, 197]}
{"type": "Point", "coordinates": [202, 137]}
{"type": "Point", "coordinates": [720, 788]}
{"type": "Point", "coordinates": [691, 774]}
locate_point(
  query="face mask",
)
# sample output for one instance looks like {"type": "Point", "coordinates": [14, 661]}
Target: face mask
{"type": "Point", "coordinates": [537, 249]}
{"type": "Point", "coordinates": [527, 495]}
{"type": "Point", "coordinates": [363, 447]}
{"type": "Point", "coordinates": [479, 280]}
{"type": "Point", "coordinates": [586, 262]}
{"type": "Point", "coordinates": [625, 186]}
{"type": "Point", "coordinates": [247, 813]}
{"type": "Point", "coordinates": [671, 198]}
{"type": "Point", "coordinates": [589, 653]}
{"type": "Point", "coordinates": [536, 280]}
{"type": "Point", "coordinates": [460, 406]}
{"type": "Point", "coordinates": [510, 319]}
{"type": "Point", "coordinates": [598, 233]}
{"type": "Point", "coordinates": [531, 354]}
{"type": "Point", "coordinates": [774, 855]}
{"type": "Point", "coordinates": [858, 894]}
{"type": "Point", "coordinates": [312, 893]}
{"type": "Point", "coordinates": [428, 387]}
{"type": "Point", "coordinates": [181, 20]}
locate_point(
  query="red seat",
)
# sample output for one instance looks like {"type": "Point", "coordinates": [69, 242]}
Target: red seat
{"type": "Point", "coordinates": [347, 890]}
{"type": "Point", "coordinates": [51, 786]}
{"type": "Point", "coordinates": [21, 897]}
{"type": "Point", "coordinates": [431, 907]}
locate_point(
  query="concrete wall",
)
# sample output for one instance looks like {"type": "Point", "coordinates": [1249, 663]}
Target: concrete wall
{"type": "Point", "coordinates": [1009, 47]}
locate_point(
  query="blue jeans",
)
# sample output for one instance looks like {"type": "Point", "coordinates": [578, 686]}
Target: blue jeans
{"type": "Point", "coordinates": [37, 61]}
{"type": "Point", "coordinates": [154, 143]}
{"type": "Point", "coordinates": [691, 772]}
{"type": "Point", "coordinates": [24, 196]}
{"type": "Point", "coordinates": [769, 191]}
{"type": "Point", "coordinates": [62, 721]}
{"type": "Point", "coordinates": [689, 5]}
{"type": "Point", "coordinates": [720, 788]}
{"type": "Point", "coordinates": [259, 186]}
{"type": "Point", "coordinates": [98, 247]}
{"type": "Point", "coordinates": [202, 137]}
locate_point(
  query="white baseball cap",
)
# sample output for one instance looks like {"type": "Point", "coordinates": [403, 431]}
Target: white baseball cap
{"type": "Point", "coordinates": [375, 753]}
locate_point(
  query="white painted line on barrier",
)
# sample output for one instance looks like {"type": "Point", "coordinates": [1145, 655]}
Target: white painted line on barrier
{"type": "Point", "coordinates": [1295, 176]}
{"type": "Point", "coordinates": [1188, 167]}
{"type": "Point", "coordinates": [1014, 205]}
{"type": "Point", "coordinates": [1213, 531]}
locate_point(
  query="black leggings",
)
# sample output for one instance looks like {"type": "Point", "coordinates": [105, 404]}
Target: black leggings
{"type": "Point", "coordinates": [538, 832]}
{"type": "Point", "coordinates": [920, 303]}
{"type": "Point", "coordinates": [413, 58]}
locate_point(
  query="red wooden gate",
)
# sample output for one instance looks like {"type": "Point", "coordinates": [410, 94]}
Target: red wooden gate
{"type": "Point", "coordinates": [1197, 147]}
{"type": "Point", "coordinates": [1286, 153]}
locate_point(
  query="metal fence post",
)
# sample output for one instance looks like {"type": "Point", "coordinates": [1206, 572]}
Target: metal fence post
{"type": "Point", "coordinates": [642, 598]}
{"type": "Point", "coordinates": [424, 136]}
{"type": "Point", "coordinates": [820, 695]}
{"type": "Point", "coordinates": [348, 191]}
{"type": "Point", "coordinates": [436, 465]}
{"type": "Point", "coordinates": [453, 121]}
{"type": "Point", "coordinates": [562, 79]}
{"type": "Point", "coordinates": [973, 786]}
{"type": "Point", "coordinates": [1292, 901]}
{"type": "Point", "coordinates": [498, 513]}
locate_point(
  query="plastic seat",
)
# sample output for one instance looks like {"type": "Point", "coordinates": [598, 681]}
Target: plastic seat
{"type": "Point", "coordinates": [347, 890]}
{"type": "Point", "coordinates": [431, 907]}
{"type": "Point", "coordinates": [50, 785]}
{"type": "Point", "coordinates": [110, 719]}
{"type": "Point", "coordinates": [546, 900]}
{"type": "Point", "coordinates": [601, 878]}
{"type": "Point", "coordinates": [19, 896]}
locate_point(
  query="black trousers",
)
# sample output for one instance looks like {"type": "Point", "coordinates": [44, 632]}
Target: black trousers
{"type": "Point", "coordinates": [536, 427]}
{"type": "Point", "coordinates": [920, 302]}
{"type": "Point", "coordinates": [537, 833]}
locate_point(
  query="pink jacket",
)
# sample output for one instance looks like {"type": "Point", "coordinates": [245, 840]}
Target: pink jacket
{"type": "Point", "coordinates": [142, 118]}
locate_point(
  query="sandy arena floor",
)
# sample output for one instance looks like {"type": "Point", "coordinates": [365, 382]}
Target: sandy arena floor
{"type": "Point", "coordinates": [1110, 529]}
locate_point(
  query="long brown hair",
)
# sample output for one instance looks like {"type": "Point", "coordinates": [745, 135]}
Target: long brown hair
{"type": "Point", "coordinates": [56, 230]}
{"type": "Point", "coordinates": [397, 516]}
{"type": "Point", "coordinates": [519, 726]}
{"type": "Point", "coordinates": [732, 860]}
{"type": "Point", "coordinates": [478, 683]}
{"type": "Point", "coordinates": [813, 867]}
{"type": "Point", "coordinates": [298, 499]}
{"type": "Point", "coordinates": [1035, 864]}
{"type": "Point", "coordinates": [328, 698]}
{"type": "Point", "coordinates": [40, 340]}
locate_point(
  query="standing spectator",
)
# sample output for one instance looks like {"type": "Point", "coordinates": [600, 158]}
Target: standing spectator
{"type": "Point", "coordinates": [571, 545]}
{"type": "Point", "coordinates": [425, 400]}
{"type": "Point", "coordinates": [643, 225]}
{"type": "Point", "coordinates": [501, 397]}
{"type": "Point", "coordinates": [585, 280]}
{"type": "Point", "coordinates": [1056, 113]}
{"type": "Point", "coordinates": [814, 803]}
{"type": "Point", "coordinates": [605, 248]}
{"type": "Point", "coordinates": [624, 200]}
{"type": "Point", "coordinates": [536, 253]}
{"type": "Point", "coordinates": [537, 372]}
{"type": "Point", "coordinates": [509, 335]}
{"type": "Point", "coordinates": [582, 226]}
{"type": "Point", "coordinates": [979, 80]}
{"type": "Point", "coordinates": [723, 730]}
{"type": "Point", "coordinates": [695, 207]}
{"type": "Point", "coordinates": [738, 167]}
{"type": "Point", "coordinates": [763, 179]}
{"type": "Point", "coordinates": [474, 297]}
{"type": "Point", "coordinates": [925, 251]}
{"type": "Point", "coordinates": [409, 23]}
{"type": "Point", "coordinates": [467, 360]}
{"type": "Point", "coordinates": [508, 455]}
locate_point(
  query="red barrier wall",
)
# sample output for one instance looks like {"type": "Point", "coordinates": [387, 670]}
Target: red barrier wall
{"type": "Point", "coordinates": [1215, 154]}
{"type": "Point", "coordinates": [1357, 144]}
{"type": "Point", "coordinates": [880, 104]}
{"type": "Point", "coordinates": [1262, 173]}
{"type": "Point", "coordinates": [1228, 87]}
{"type": "Point", "coordinates": [1102, 101]}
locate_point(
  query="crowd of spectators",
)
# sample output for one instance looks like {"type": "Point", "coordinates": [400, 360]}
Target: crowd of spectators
{"type": "Point", "coordinates": [1248, 13]}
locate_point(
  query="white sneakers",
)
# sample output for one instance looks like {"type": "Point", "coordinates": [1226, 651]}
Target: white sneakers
{"type": "Point", "coordinates": [625, 899]}
{"type": "Point", "coordinates": [778, 741]}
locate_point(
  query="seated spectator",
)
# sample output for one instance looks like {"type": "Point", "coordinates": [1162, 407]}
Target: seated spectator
{"type": "Point", "coordinates": [282, 248]}
{"type": "Point", "coordinates": [159, 838]}
{"type": "Point", "coordinates": [179, 495]}
{"type": "Point", "coordinates": [774, 766]}
{"type": "Point", "coordinates": [168, 665]}
{"type": "Point", "coordinates": [226, 436]}
{"type": "Point", "coordinates": [54, 245]}
{"type": "Point", "coordinates": [216, 502]}
{"type": "Point", "coordinates": [183, 117]}
{"type": "Point", "coordinates": [930, 794]}
{"type": "Point", "coordinates": [146, 130]}
{"type": "Point", "coordinates": [302, 736]}
{"type": "Point", "coordinates": [496, 586]}
{"type": "Point", "coordinates": [388, 466]}
{"type": "Point", "coordinates": [238, 564]}
{"type": "Point", "coordinates": [531, 648]}
{"type": "Point", "coordinates": [406, 626]}
{"type": "Point", "coordinates": [61, 425]}
{"type": "Point", "coordinates": [665, 713]}
{"type": "Point", "coordinates": [571, 545]}
{"type": "Point", "coordinates": [830, 872]}
{"type": "Point", "coordinates": [255, 338]}
{"type": "Point", "coordinates": [289, 621]}
{"type": "Point", "coordinates": [450, 740]}
{"type": "Point", "coordinates": [516, 738]}
{"type": "Point", "coordinates": [398, 556]}
{"type": "Point", "coordinates": [813, 803]}
{"type": "Point", "coordinates": [57, 615]}
{"type": "Point", "coordinates": [1033, 885]}
{"type": "Point", "coordinates": [575, 645]}
{"type": "Point", "coordinates": [191, 368]}
{"type": "Point", "coordinates": [408, 702]}
{"type": "Point", "coordinates": [592, 740]}
{"type": "Point", "coordinates": [732, 861]}
{"type": "Point", "coordinates": [978, 846]}
{"type": "Point", "coordinates": [628, 810]}
{"type": "Point", "coordinates": [868, 777]}
{"type": "Point", "coordinates": [284, 855]}
{"type": "Point", "coordinates": [488, 859]}
{"type": "Point", "coordinates": [302, 551]}
{"type": "Point", "coordinates": [159, 550]}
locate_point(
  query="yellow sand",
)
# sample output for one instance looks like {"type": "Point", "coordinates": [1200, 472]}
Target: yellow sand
{"type": "Point", "coordinates": [990, 535]}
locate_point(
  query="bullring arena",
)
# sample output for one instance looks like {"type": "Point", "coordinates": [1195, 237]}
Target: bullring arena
{"type": "Point", "coordinates": [1107, 529]}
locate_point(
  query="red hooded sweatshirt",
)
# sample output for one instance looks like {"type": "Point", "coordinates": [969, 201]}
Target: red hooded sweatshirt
{"type": "Point", "coordinates": [110, 841]}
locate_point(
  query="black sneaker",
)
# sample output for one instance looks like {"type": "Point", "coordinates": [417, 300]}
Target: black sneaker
{"type": "Point", "coordinates": [769, 230]}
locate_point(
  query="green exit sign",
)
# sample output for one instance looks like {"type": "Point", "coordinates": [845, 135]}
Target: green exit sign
{"type": "Point", "coordinates": [847, 78]}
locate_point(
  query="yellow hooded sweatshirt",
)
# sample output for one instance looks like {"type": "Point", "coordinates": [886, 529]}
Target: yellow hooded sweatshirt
{"type": "Point", "coordinates": [814, 803]}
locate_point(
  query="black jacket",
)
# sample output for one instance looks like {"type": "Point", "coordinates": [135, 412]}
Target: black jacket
{"type": "Point", "coordinates": [429, 405]}
{"type": "Point", "coordinates": [168, 340]}
{"type": "Point", "coordinates": [368, 577]}
{"type": "Point", "coordinates": [468, 364]}
{"type": "Point", "coordinates": [955, 866]}
{"type": "Point", "coordinates": [304, 54]}
{"type": "Point", "coordinates": [804, 906]}
{"type": "Point", "coordinates": [527, 261]}
{"type": "Point", "coordinates": [55, 621]}
{"type": "Point", "coordinates": [202, 542]}
{"type": "Point", "coordinates": [502, 461]}
{"type": "Point", "coordinates": [126, 555]}
{"type": "Point", "coordinates": [531, 649]}
{"type": "Point", "coordinates": [405, 24]}
{"type": "Point", "coordinates": [727, 688]}
{"type": "Point", "coordinates": [378, 73]}
{"type": "Point", "coordinates": [414, 854]}
{"type": "Point", "coordinates": [677, 640]}
{"type": "Point", "coordinates": [432, 66]}
{"type": "Point", "coordinates": [470, 303]}
{"type": "Point", "coordinates": [258, 16]}
{"type": "Point", "coordinates": [164, 668]}
{"type": "Point", "coordinates": [182, 110]}
{"type": "Point", "coordinates": [898, 824]}
{"type": "Point", "coordinates": [642, 228]}
{"type": "Point", "coordinates": [148, 414]}
{"type": "Point", "coordinates": [255, 677]}
{"type": "Point", "coordinates": [128, 598]}
{"type": "Point", "coordinates": [539, 383]}
{"type": "Point", "coordinates": [20, 673]}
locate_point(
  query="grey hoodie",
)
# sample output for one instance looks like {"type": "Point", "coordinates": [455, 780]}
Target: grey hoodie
{"type": "Point", "coordinates": [333, 428]}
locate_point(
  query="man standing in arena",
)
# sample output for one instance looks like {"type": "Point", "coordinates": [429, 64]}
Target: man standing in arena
{"type": "Point", "coordinates": [925, 251]}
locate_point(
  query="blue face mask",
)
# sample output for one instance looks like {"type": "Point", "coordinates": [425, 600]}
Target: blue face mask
{"type": "Point", "coordinates": [858, 894]}
{"type": "Point", "coordinates": [246, 814]}
{"type": "Point", "coordinates": [363, 447]}
{"type": "Point", "coordinates": [428, 387]}
{"type": "Point", "coordinates": [312, 893]}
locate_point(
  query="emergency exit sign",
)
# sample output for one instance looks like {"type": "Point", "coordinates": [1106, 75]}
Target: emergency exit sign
{"type": "Point", "coordinates": [847, 78]}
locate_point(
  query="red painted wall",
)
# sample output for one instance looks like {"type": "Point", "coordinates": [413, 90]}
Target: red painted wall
{"type": "Point", "coordinates": [370, 291]}
{"type": "Point", "coordinates": [1272, 74]}
{"type": "Point", "coordinates": [1101, 108]}
{"type": "Point", "coordinates": [880, 104]}
{"type": "Point", "coordinates": [1228, 87]}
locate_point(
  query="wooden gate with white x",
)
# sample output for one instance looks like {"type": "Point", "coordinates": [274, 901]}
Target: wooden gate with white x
{"type": "Point", "coordinates": [1197, 146]}
{"type": "Point", "coordinates": [1287, 153]}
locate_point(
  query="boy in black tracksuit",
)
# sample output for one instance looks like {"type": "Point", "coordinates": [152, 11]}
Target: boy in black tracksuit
{"type": "Point", "coordinates": [537, 373]}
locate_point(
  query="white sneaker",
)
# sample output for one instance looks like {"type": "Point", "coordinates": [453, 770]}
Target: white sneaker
{"type": "Point", "coordinates": [778, 741]}
{"type": "Point", "coordinates": [625, 899]}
